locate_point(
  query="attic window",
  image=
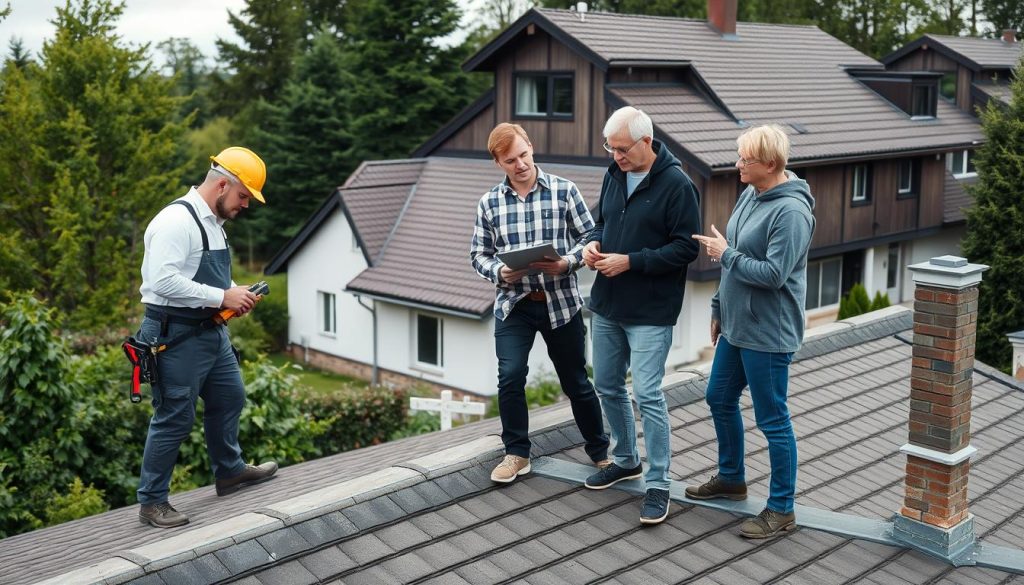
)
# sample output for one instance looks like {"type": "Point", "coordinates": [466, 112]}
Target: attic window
{"type": "Point", "coordinates": [548, 95]}
{"type": "Point", "coordinates": [923, 101]}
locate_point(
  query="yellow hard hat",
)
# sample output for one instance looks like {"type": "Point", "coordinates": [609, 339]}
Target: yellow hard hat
{"type": "Point", "coordinates": [246, 166]}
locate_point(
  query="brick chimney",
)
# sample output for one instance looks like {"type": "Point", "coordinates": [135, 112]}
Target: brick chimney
{"type": "Point", "coordinates": [1009, 35]}
{"type": "Point", "coordinates": [722, 16]}
{"type": "Point", "coordinates": [1017, 365]}
{"type": "Point", "coordinates": [934, 514]}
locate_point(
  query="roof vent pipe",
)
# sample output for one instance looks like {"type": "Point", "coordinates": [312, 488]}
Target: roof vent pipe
{"type": "Point", "coordinates": [581, 9]}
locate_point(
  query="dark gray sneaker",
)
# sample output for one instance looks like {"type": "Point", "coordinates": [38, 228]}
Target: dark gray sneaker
{"type": "Point", "coordinates": [162, 515]}
{"type": "Point", "coordinates": [611, 475]}
{"type": "Point", "coordinates": [717, 488]}
{"type": "Point", "coordinates": [655, 508]}
{"type": "Point", "coordinates": [251, 476]}
{"type": "Point", "coordinates": [768, 523]}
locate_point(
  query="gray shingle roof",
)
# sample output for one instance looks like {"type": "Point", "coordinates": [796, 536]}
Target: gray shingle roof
{"type": "Point", "coordinates": [998, 91]}
{"type": "Point", "coordinates": [771, 73]}
{"type": "Point", "coordinates": [449, 524]}
{"type": "Point", "coordinates": [427, 257]}
{"type": "Point", "coordinates": [986, 53]}
{"type": "Point", "coordinates": [955, 198]}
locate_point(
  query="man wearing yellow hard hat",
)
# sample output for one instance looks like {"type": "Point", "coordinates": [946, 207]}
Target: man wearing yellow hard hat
{"type": "Point", "coordinates": [186, 280]}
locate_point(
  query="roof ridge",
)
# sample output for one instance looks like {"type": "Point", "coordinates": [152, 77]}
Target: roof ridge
{"type": "Point", "coordinates": [671, 18]}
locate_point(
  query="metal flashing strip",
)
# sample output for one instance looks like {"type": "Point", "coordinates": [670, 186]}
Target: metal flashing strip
{"type": "Point", "coordinates": [847, 525]}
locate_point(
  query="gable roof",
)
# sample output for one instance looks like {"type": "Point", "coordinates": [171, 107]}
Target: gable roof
{"type": "Point", "coordinates": [972, 52]}
{"type": "Point", "coordinates": [426, 261]}
{"type": "Point", "coordinates": [372, 198]}
{"type": "Point", "coordinates": [437, 518]}
{"type": "Point", "coordinates": [769, 73]}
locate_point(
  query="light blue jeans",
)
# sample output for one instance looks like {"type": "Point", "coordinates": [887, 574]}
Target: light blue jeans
{"type": "Point", "coordinates": [642, 349]}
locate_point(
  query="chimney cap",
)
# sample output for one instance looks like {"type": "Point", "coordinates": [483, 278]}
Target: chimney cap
{"type": "Point", "coordinates": [947, 272]}
{"type": "Point", "coordinates": [1016, 336]}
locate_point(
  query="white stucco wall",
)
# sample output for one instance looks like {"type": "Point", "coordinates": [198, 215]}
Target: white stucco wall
{"type": "Point", "coordinates": [327, 262]}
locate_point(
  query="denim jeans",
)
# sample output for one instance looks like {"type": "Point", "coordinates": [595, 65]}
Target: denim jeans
{"type": "Point", "coordinates": [204, 367]}
{"type": "Point", "coordinates": [513, 340]}
{"type": "Point", "coordinates": [642, 349]}
{"type": "Point", "coordinates": [768, 377]}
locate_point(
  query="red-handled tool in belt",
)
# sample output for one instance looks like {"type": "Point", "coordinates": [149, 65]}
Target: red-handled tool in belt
{"type": "Point", "coordinates": [142, 355]}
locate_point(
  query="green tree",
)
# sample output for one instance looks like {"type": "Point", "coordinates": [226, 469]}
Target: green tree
{"type": "Point", "coordinates": [271, 32]}
{"type": "Point", "coordinates": [87, 148]}
{"type": "Point", "coordinates": [880, 301]}
{"type": "Point", "coordinates": [1002, 15]}
{"type": "Point", "coordinates": [856, 302]}
{"type": "Point", "coordinates": [18, 56]}
{"type": "Point", "coordinates": [305, 136]}
{"type": "Point", "coordinates": [41, 444]}
{"type": "Point", "coordinates": [995, 226]}
{"type": "Point", "coordinates": [187, 65]}
{"type": "Point", "coordinates": [408, 83]}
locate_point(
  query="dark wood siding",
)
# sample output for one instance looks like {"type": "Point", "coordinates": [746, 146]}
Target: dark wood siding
{"type": "Point", "coordinates": [717, 203]}
{"type": "Point", "coordinates": [472, 136]}
{"type": "Point", "coordinates": [826, 185]}
{"type": "Point", "coordinates": [892, 214]}
{"type": "Point", "coordinates": [933, 174]}
{"type": "Point", "coordinates": [925, 60]}
{"type": "Point", "coordinates": [645, 75]}
{"type": "Point", "coordinates": [577, 137]}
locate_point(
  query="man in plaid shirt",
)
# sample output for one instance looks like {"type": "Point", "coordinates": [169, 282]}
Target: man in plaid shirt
{"type": "Point", "coordinates": [532, 207]}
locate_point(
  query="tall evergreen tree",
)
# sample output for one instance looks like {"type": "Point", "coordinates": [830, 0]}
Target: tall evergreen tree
{"type": "Point", "coordinates": [409, 85]}
{"type": "Point", "coordinates": [86, 150]}
{"type": "Point", "coordinates": [1003, 15]}
{"type": "Point", "coordinates": [995, 226]}
{"type": "Point", "coordinates": [306, 141]}
{"type": "Point", "coordinates": [187, 64]}
{"type": "Point", "coordinates": [272, 31]}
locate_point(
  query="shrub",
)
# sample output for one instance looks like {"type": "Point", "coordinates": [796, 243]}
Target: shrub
{"type": "Point", "coordinates": [79, 502]}
{"type": "Point", "coordinates": [248, 336]}
{"type": "Point", "coordinates": [856, 302]}
{"type": "Point", "coordinates": [357, 417]}
{"type": "Point", "coordinates": [880, 301]}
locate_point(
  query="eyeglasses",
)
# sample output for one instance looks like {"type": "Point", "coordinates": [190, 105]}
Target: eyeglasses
{"type": "Point", "coordinates": [746, 162]}
{"type": "Point", "coordinates": [618, 149]}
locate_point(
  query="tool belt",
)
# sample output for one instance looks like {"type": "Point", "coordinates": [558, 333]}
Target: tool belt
{"type": "Point", "coordinates": [142, 355]}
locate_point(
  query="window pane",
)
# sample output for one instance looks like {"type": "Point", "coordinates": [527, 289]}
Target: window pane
{"type": "Point", "coordinates": [958, 162]}
{"type": "Point", "coordinates": [830, 275]}
{"type": "Point", "coordinates": [970, 161]}
{"type": "Point", "coordinates": [813, 275]}
{"type": "Point", "coordinates": [947, 86]}
{"type": "Point", "coordinates": [427, 350]}
{"type": "Point", "coordinates": [860, 173]}
{"type": "Point", "coordinates": [328, 323]}
{"type": "Point", "coordinates": [531, 96]}
{"type": "Point", "coordinates": [922, 101]}
{"type": "Point", "coordinates": [894, 265]}
{"type": "Point", "coordinates": [562, 96]}
{"type": "Point", "coordinates": [906, 176]}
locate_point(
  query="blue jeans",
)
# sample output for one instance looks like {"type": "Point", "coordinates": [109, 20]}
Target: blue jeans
{"type": "Point", "coordinates": [200, 367]}
{"type": "Point", "coordinates": [768, 376]}
{"type": "Point", "coordinates": [513, 340]}
{"type": "Point", "coordinates": [642, 349]}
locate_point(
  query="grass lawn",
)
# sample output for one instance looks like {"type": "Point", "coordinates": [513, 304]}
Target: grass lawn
{"type": "Point", "coordinates": [316, 381]}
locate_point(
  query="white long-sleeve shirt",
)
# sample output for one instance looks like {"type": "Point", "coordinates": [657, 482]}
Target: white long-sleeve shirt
{"type": "Point", "coordinates": [174, 249]}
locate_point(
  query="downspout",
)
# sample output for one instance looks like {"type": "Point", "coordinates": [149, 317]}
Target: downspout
{"type": "Point", "coordinates": [373, 311]}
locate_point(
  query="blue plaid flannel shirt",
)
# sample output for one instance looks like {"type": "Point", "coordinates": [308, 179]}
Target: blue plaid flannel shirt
{"type": "Point", "coordinates": [554, 211]}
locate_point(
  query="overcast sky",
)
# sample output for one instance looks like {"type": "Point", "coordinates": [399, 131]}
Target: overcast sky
{"type": "Point", "coordinates": [152, 21]}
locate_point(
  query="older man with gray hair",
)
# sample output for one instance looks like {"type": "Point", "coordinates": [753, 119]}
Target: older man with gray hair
{"type": "Point", "coordinates": [641, 246]}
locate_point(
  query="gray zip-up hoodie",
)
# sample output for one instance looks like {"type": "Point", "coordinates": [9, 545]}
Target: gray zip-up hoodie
{"type": "Point", "coordinates": [760, 299]}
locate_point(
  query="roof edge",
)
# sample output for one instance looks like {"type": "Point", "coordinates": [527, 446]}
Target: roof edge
{"type": "Point", "coordinates": [935, 44]}
{"type": "Point", "coordinates": [455, 124]}
{"type": "Point", "coordinates": [533, 16]}
{"type": "Point", "coordinates": [280, 260]}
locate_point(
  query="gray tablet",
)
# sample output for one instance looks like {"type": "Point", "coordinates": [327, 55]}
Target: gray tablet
{"type": "Point", "coordinates": [521, 258]}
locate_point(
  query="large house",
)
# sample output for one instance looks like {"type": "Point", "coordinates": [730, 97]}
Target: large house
{"type": "Point", "coordinates": [380, 276]}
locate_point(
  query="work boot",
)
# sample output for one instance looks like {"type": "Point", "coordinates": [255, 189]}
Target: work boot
{"type": "Point", "coordinates": [511, 467]}
{"type": "Point", "coordinates": [251, 476]}
{"type": "Point", "coordinates": [162, 515]}
{"type": "Point", "coordinates": [717, 487]}
{"type": "Point", "coordinates": [768, 523]}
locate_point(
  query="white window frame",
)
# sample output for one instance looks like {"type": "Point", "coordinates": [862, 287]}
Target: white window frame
{"type": "Point", "coordinates": [860, 183]}
{"type": "Point", "coordinates": [962, 172]}
{"type": "Point", "coordinates": [327, 313]}
{"type": "Point", "coordinates": [839, 286]}
{"type": "Point", "coordinates": [900, 189]}
{"type": "Point", "coordinates": [416, 342]}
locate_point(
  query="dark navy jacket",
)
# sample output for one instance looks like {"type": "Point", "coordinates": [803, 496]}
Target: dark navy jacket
{"type": "Point", "coordinates": [655, 228]}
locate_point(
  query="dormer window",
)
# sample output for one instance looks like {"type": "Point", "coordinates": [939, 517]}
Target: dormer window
{"type": "Point", "coordinates": [544, 95]}
{"type": "Point", "coordinates": [923, 101]}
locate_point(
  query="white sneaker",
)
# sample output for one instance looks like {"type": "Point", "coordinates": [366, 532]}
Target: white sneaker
{"type": "Point", "coordinates": [511, 467]}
